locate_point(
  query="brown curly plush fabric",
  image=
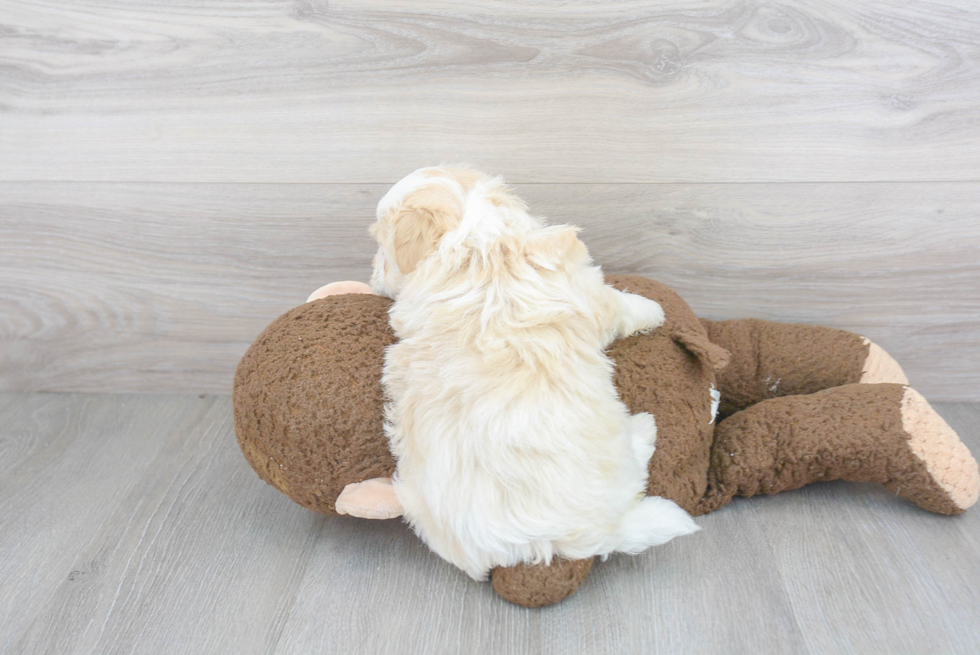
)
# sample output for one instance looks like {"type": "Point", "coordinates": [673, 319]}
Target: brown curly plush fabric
{"type": "Point", "coordinates": [669, 374]}
{"type": "Point", "coordinates": [308, 399]}
{"type": "Point", "coordinates": [537, 586]}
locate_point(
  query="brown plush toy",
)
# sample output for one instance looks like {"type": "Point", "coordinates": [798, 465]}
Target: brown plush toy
{"type": "Point", "coordinates": [798, 404]}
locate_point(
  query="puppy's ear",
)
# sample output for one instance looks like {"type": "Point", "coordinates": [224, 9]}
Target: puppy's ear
{"type": "Point", "coordinates": [551, 247]}
{"type": "Point", "coordinates": [421, 221]}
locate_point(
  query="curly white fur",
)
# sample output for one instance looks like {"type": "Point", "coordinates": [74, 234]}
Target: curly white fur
{"type": "Point", "coordinates": [511, 441]}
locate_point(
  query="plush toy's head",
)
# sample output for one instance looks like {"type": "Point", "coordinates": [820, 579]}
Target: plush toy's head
{"type": "Point", "coordinates": [308, 399]}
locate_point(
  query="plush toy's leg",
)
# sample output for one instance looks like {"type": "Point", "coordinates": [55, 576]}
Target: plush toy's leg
{"type": "Point", "coordinates": [771, 360]}
{"type": "Point", "coordinates": [538, 585]}
{"type": "Point", "coordinates": [884, 433]}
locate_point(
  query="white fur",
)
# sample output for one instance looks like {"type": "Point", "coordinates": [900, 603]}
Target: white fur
{"type": "Point", "coordinates": [715, 403]}
{"type": "Point", "coordinates": [511, 441]}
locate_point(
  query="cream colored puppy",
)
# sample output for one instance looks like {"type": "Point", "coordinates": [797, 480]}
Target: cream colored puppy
{"type": "Point", "coordinates": [511, 442]}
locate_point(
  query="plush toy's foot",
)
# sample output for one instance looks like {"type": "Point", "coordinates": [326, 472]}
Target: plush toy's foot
{"type": "Point", "coordinates": [879, 366]}
{"type": "Point", "coordinates": [947, 460]}
{"type": "Point", "coordinates": [371, 499]}
{"type": "Point", "coordinates": [537, 585]}
{"type": "Point", "coordinates": [884, 433]}
{"type": "Point", "coordinates": [338, 288]}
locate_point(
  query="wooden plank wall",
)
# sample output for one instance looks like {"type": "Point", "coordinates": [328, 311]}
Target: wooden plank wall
{"type": "Point", "coordinates": [174, 176]}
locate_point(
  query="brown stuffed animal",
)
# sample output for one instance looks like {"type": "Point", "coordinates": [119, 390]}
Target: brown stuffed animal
{"type": "Point", "coordinates": [798, 404]}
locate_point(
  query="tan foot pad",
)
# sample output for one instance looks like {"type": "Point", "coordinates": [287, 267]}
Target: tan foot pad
{"type": "Point", "coordinates": [371, 499]}
{"type": "Point", "coordinates": [947, 459]}
{"type": "Point", "coordinates": [881, 367]}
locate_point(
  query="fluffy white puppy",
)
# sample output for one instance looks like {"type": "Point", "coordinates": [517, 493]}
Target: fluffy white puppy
{"type": "Point", "coordinates": [511, 442]}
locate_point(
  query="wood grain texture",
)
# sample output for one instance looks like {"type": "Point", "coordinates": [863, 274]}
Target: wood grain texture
{"type": "Point", "coordinates": [76, 459]}
{"type": "Point", "coordinates": [179, 555]}
{"type": "Point", "coordinates": [175, 176]}
{"type": "Point", "coordinates": [159, 287]}
{"type": "Point", "coordinates": [133, 523]}
{"type": "Point", "coordinates": [310, 91]}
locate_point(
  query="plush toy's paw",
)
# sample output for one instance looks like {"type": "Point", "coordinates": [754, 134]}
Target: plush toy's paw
{"type": "Point", "coordinates": [881, 367]}
{"type": "Point", "coordinates": [338, 288]}
{"type": "Point", "coordinates": [947, 459]}
{"type": "Point", "coordinates": [371, 499]}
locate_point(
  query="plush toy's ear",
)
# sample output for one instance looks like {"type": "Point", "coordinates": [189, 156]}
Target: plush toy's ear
{"type": "Point", "coordinates": [698, 344]}
{"type": "Point", "coordinates": [370, 499]}
{"type": "Point", "coordinates": [421, 221]}
{"type": "Point", "coordinates": [339, 289]}
{"type": "Point", "coordinates": [550, 247]}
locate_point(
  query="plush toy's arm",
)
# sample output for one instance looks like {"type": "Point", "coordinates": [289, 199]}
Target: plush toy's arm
{"type": "Point", "coordinates": [770, 360]}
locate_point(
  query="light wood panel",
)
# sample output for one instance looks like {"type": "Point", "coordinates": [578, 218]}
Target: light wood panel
{"type": "Point", "coordinates": [310, 91]}
{"type": "Point", "coordinates": [133, 523]}
{"type": "Point", "coordinates": [123, 287]}
{"type": "Point", "coordinates": [162, 287]}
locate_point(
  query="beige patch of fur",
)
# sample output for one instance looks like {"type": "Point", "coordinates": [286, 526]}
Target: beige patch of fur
{"type": "Point", "coordinates": [554, 247]}
{"type": "Point", "coordinates": [947, 459]}
{"type": "Point", "coordinates": [881, 367]}
{"type": "Point", "coordinates": [371, 499]}
{"type": "Point", "coordinates": [421, 220]}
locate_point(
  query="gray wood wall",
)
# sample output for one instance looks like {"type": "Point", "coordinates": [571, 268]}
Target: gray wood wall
{"type": "Point", "coordinates": [172, 177]}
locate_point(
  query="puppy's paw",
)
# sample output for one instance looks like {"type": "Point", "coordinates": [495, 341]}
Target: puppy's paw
{"type": "Point", "coordinates": [639, 314]}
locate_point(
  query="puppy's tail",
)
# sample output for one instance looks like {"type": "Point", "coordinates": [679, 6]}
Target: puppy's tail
{"type": "Point", "coordinates": [651, 522]}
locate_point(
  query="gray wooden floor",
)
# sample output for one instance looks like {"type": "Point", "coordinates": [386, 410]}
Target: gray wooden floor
{"type": "Point", "coordinates": [133, 524]}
